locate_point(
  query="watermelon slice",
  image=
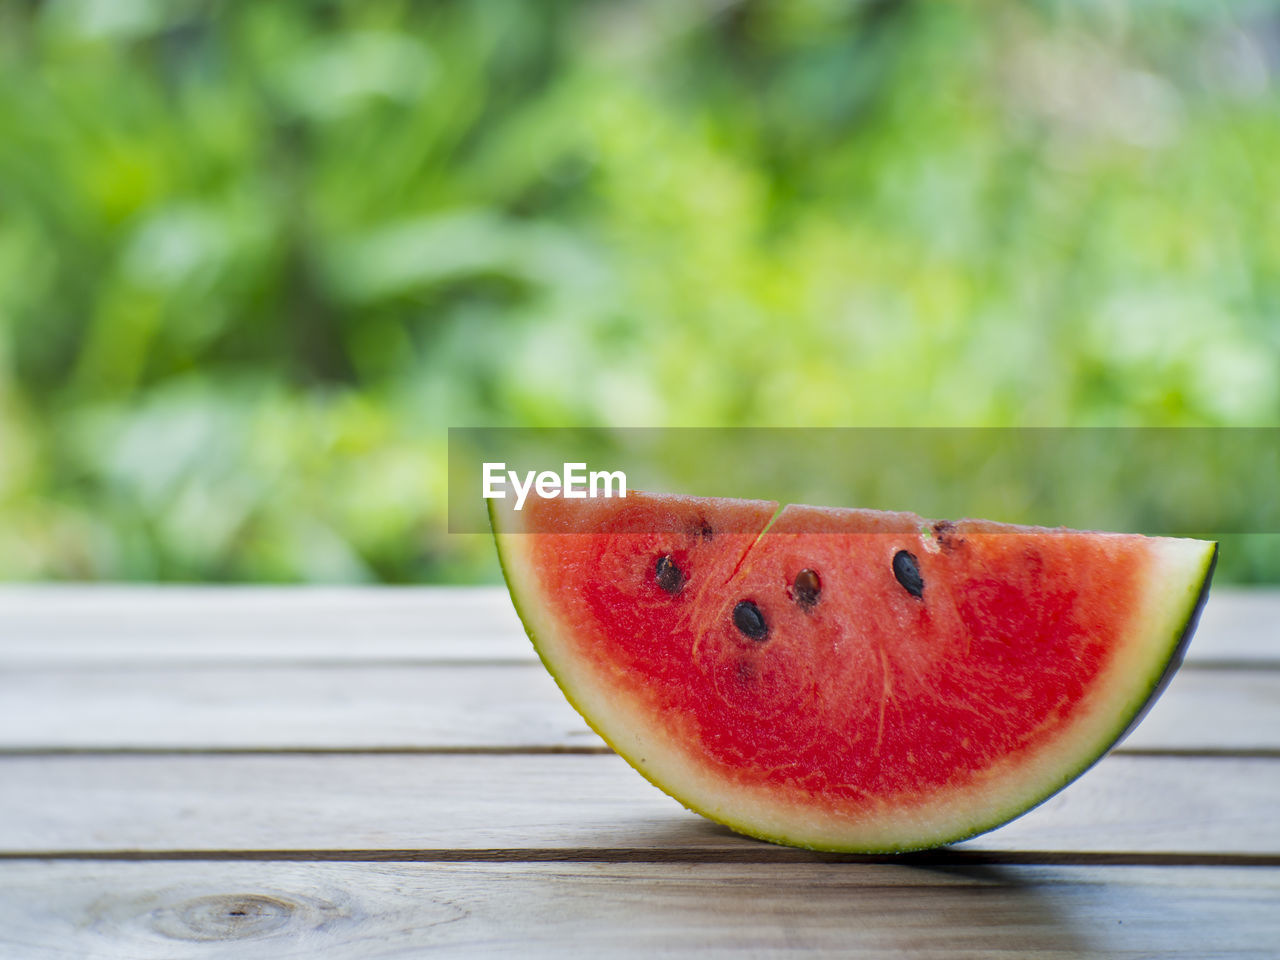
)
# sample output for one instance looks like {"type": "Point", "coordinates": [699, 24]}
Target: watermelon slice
{"type": "Point", "coordinates": [848, 680]}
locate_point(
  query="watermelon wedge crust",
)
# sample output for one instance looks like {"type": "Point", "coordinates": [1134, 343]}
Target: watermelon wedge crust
{"type": "Point", "coordinates": [848, 680]}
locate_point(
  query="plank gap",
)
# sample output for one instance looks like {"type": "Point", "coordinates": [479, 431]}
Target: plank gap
{"type": "Point", "coordinates": [162, 662]}
{"type": "Point", "coordinates": [500, 750]}
{"type": "Point", "coordinates": [768, 855]}
{"type": "Point", "coordinates": [1226, 753]}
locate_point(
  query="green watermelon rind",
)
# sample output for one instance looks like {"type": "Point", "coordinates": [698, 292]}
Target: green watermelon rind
{"type": "Point", "coordinates": [1145, 695]}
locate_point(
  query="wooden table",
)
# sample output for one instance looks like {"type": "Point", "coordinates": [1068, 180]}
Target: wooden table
{"type": "Point", "coordinates": [203, 772]}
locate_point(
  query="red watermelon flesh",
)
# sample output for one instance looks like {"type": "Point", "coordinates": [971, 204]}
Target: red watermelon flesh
{"type": "Point", "coordinates": [850, 679]}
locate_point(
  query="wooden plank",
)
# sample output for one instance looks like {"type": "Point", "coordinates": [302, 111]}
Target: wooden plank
{"type": "Point", "coordinates": [1213, 710]}
{"type": "Point", "coordinates": [1239, 625]}
{"type": "Point", "coordinates": [290, 707]}
{"type": "Point", "coordinates": [119, 624]}
{"type": "Point", "coordinates": [354, 911]}
{"type": "Point", "coordinates": [211, 624]}
{"type": "Point", "coordinates": [557, 802]}
{"type": "Point", "coordinates": [456, 706]}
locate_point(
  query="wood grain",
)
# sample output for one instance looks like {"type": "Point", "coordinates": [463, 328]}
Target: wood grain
{"type": "Point", "coordinates": [272, 706]}
{"type": "Point", "coordinates": [147, 911]}
{"type": "Point", "coordinates": [579, 804]}
{"type": "Point", "coordinates": [121, 624]}
{"type": "Point", "coordinates": [457, 848]}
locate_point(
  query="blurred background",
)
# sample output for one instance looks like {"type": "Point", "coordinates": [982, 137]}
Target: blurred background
{"type": "Point", "coordinates": [255, 258]}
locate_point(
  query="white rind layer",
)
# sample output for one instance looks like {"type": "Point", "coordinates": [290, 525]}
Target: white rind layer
{"type": "Point", "coordinates": [1152, 649]}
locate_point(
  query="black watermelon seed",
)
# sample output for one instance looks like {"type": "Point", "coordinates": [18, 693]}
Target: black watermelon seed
{"type": "Point", "coordinates": [748, 618]}
{"type": "Point", "coordinates": [907, 569]}
{"type": "Point", "coordinates": [806, 588]}
{"type": "Point", "coordinates": [669, 576]}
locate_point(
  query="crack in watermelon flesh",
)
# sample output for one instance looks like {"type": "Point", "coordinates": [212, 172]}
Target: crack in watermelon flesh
{"type": "Point", "coordinates": [869, 720]}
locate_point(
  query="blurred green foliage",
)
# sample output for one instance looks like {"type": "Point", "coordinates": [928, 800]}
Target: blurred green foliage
{"type": "Point", "coordinates": [256, 257]}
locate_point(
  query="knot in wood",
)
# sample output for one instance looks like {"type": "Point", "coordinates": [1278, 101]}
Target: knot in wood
{"type": "Point", "coordinates": [230, 916]}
